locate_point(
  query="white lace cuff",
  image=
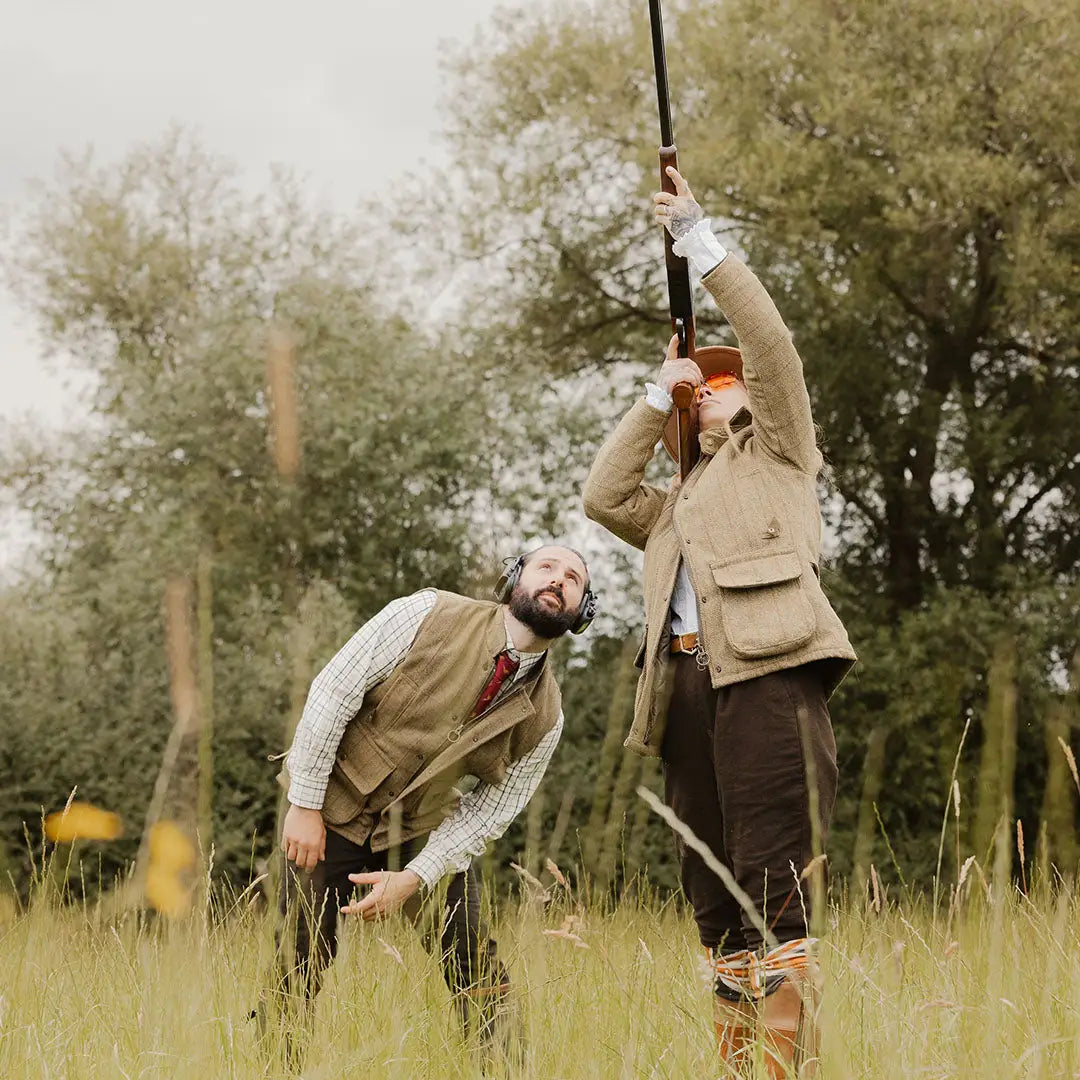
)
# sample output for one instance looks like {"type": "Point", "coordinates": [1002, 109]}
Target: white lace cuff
{"type": "Point", "coordinates": [702, 248]}
{"type": "Point", "coordinates": [658, 398]}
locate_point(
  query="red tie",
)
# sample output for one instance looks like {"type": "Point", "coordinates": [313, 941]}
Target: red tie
{"type": "Point", "coordinates": [505, 666]}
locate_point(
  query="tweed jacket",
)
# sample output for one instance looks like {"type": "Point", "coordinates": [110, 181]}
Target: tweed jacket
{"type": "Point", "coordinates": [746, 520]}
{"type": "Point", "coordinates": [415, 735]}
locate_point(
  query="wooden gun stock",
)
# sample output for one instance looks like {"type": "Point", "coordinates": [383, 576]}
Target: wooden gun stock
{"type": "Point", "coordinates": [683, 396]}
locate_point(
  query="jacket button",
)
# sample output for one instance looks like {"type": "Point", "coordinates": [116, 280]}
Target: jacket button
{"type": "Point", "coordinates": [704, 600]}
{"type": "Point", "coordinates": [475, 738]}
{"type": "Point", "coordinates": [686, 495]}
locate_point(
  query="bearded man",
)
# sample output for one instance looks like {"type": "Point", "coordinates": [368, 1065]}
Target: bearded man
{"type": "Point", "coordinates": [434, 689]}
{"type": "Point", "coordinates": [742, 649]}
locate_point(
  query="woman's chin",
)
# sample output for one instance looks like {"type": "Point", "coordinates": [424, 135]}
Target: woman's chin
{"type": "Point", "coordinates": [711, 418]}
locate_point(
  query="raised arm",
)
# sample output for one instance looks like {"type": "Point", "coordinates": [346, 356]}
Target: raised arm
{"type": "Point", "coordinates": [772, 369]}
{"type": "Point", "coordinates": [615, 493]}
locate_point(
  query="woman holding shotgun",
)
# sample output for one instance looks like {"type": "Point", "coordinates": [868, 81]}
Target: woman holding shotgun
{"type": "Point", "coordinates": [742, 649]}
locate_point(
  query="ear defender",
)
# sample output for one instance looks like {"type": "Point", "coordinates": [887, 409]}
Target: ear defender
{"type": "Point", "coordinates": [587, 612]}
{"type": "Point", "coordinates": [508, 579]}
{"type": "Point", "coordinates": [511, 575]}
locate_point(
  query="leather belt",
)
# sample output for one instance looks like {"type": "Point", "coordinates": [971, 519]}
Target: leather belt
{"type": "Point", "coordinates": [687, 643]}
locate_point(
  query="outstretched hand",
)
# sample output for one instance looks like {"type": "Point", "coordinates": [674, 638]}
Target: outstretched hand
{"type": "Point", "coordinates": [390, 889]}
{"type": "Point", "coordinates": [680, 212]}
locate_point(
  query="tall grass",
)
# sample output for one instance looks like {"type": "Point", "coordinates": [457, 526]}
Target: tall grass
{"type": "Point", "coordinates": [990, 990]}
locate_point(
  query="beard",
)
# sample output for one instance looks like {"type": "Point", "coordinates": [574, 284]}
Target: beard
{"type": "Point", "coordinates": [542, 620]}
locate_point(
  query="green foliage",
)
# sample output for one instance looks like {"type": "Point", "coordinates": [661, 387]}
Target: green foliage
{"type": "Point", "coordinates": [161, 277]}
{"type": "Point", "coordinates": [903, 176]}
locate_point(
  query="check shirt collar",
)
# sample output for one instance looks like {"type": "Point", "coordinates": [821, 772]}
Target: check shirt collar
{"type": "Point", "coordinates": [528, 661]}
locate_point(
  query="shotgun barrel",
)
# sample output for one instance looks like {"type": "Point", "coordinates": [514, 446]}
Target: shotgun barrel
{"type": "Point", "coordinates": [680, 296]}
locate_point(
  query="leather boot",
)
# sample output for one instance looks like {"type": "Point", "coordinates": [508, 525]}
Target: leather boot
{"type": "Point", "coordinates": [789, 1032]}
{"type": "Point", "coordinates": [735, 1022]}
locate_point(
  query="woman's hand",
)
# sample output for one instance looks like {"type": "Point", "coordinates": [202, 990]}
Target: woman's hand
{"type": "Point", "coordinates": [677, 368]}
{"type": "Point", "coordinates": [680, 212]}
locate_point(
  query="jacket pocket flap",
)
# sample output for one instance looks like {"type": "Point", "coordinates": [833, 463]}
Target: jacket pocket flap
{"type": "Point", "coordinates": [362, 760]}
{"type": "Point", "coordinates": [769, 569]}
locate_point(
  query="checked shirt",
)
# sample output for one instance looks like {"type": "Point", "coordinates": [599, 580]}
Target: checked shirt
{"type": "Point", "coordinates": [336, 695]}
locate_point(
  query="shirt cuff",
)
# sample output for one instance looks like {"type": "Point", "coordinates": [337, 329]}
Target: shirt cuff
{"type": "Point", "coordinates": [429, 866]}
{"type": "Point", "coordinates": [658, 398]}
{"type": "Point", "coordinates": [310, 794]}
{"type": "Point", "coordinates": [701, 248]}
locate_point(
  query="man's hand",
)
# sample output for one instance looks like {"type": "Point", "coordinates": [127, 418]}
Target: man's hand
{"type": "Point", "coordinates": [303, 837]}
{"type": "Point", "coordinates": [390, 889]}
{"type": "Point", "coordinates": [680, 212]}
{"type": "Point", "coordinates": [677, 369]}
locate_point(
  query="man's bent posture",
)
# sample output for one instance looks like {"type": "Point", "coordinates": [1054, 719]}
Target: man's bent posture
{"type": "Point", "coordinates": [742, 650]}
{"type": "Point", "coordinates": [434, 688]}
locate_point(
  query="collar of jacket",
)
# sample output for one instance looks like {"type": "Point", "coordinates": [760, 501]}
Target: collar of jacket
{"type": "Point", "coordinates": [710, 441]}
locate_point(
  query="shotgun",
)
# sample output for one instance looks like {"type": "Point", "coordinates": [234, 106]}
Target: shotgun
{"type": "Point", "coordinates": [680, 296]}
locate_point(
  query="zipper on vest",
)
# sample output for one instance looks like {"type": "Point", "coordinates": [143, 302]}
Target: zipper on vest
{"type": "Point", "coordinates": [456, 733]}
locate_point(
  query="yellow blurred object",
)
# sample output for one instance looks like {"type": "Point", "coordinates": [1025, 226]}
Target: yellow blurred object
{"type": "Point", "coordinates": [171, 848]}
{"type": "Point", "coordinates": [81, 821]}
{"type": "Point", "coordinates": [172, 858]}
{"type": "Point", "coordinates": [165, 892]}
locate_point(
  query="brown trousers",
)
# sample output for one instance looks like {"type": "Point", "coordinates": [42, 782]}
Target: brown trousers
{"type": "Point", "coordinates": [735, 772]}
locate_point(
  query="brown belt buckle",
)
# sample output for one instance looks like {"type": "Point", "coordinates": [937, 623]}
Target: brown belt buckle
{"type": "Point", "coordinates": [696, 651]}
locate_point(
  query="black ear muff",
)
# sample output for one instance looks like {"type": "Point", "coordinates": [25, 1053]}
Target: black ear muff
{"type": "Point", "coordinates": [504, 587]}
{"type": "Point", "coordinates": [587, 612]}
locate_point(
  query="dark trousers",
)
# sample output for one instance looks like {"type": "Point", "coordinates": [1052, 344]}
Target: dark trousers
{"type": "Point", "coordinates": [310, 903]}
{"type": "Point", "coordinates": [735, 771]}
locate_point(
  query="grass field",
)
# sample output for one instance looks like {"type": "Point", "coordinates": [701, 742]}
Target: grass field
{"type": "Point", "coordinates": [990, 988]}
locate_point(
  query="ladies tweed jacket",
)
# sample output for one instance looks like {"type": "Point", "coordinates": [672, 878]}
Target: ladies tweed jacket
{"type": "Point", "coordinates": [746, 520]}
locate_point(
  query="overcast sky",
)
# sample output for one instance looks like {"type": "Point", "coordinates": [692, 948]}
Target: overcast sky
{"type": "Point", "coordinates": [330, 88]}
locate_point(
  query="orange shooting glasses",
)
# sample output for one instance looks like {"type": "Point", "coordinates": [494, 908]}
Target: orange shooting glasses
{"type": "Point", "coordinates": [720, 381]}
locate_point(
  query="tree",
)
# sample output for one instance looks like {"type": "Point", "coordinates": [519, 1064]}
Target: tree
{"type": "Point", "coordinates": [904, 178]}
{"type": "Point", "coordinates": [164, 279]}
